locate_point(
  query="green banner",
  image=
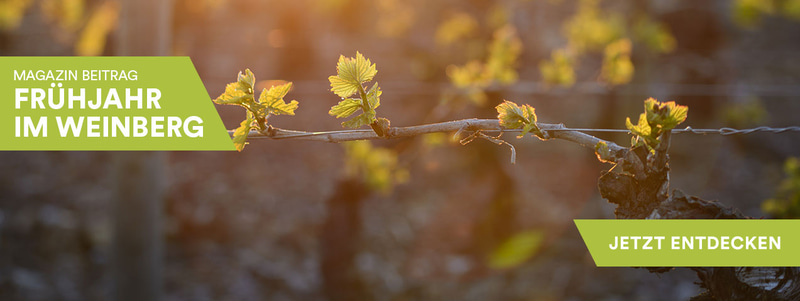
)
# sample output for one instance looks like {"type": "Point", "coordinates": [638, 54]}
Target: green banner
{"type": "Point", "coordinates": [106, 103]}
{"type": "Point", "coordinates": [692, 243]}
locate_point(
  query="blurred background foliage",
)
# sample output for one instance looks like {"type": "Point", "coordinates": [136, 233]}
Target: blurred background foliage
{"type": "Point", "coordinates": [84, 24]}
{"type": "Point", "coordinates": [421, 218]}
{"type": "Point", "coordinates": [786, 202]}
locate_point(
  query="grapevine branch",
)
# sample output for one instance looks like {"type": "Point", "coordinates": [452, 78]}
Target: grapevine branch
{"type": "Point", "coordinates": [557, 131]}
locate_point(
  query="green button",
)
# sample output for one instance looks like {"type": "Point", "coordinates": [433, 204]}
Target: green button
{"type": "Point", "coordinates": [692, 243]}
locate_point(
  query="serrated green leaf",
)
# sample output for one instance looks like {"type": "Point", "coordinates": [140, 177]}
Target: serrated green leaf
{"type": "Point", "coordinates": [240, 134]}
{"type": "Point", "coordinates": [273, 100]}
{"type": "Point", "coordinates": [247, 80]}
{"type": "Point", "coordinates": [358, 70]}
{"type": "Point", "coordinates": [677, 115]}
{"type": "Point", "coordinates": [650, 109]}
{"type": "Point", "coordinates": [341, 87]}
{"type": "Point", "coordinates": [345, 108]}
{"type": "Point", "coordinates": [351, 73]}
{"type": "Point", "coordinates": [275, 93]}
{"type": "Point", "coordinates": [374, 96]}
{"type": "Point", "coordinates": [516, 250]}
{"type": "Point", "coordinates": [640, 129]}
{"type": "Point", "coordinates": [364, 119]}
{"type": "Point", "coordinates": [513, 116]}
{"type": "Point", "coordinates": [239, 92]}
{"type": "Point", "coordinates": [232, 95]}
{"type": "Point", "coordinates": [665, 116]}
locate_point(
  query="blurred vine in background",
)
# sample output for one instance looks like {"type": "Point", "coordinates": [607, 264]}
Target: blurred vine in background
{"type": "Point", "coordinates": [617, 66]}
{"type": "Point", "coordinates": [560, 69]}
{"type": "Point", "coordinates": [395, 17]}
{"type": "Point", "coordinates": [11, 13]}
{"type": "Point", "coordinates": [516, 250]}
{"type": "Point", "coordinates": [498, 67]}
{"type": "Point", "coordinates": [786, 202]}
{"type": "Point", "coordinates": [655, 35]}
{"type": "Point", "coordinates": [376, 167]}
{"type": "Point", "coordinates": [591, 30]}
{"type": "Point", "coordinates": [749, 13]}
{"type": "Point", "coordinates": [745, 114]}
{"type": "Point", "coordinates": [84, 24]}
{"type": "Point", "coordinates": [455, 28]}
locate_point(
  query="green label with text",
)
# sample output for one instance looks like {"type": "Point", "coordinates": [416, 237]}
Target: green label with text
{"type": "Point", "coordinates": [106, 103]}
{"type": "Point", "coordinates": [692, 243]}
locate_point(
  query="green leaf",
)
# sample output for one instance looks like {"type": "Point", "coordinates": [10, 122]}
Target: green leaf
{"type": "Point", "coordinates": [512, 116]}
{"type": "Point", "coordinates": [650, 107]}
{"type": "Point", "coordinates": [345, 108]}
{"type": "Point", "coordinates": [232, 96]}
{"type": "Point", "coordinates": [352, 72]}
{"type": "Point", "coordinates": [677, 115]}
{"type": "Point", "coordinates": [240, 134]}
{"type": "Point", "coordinates": [360, 120]}
{"type": "Point", "coordinates": [640, 129]}
{"type": "Point", "coordinates": [373, 96]}
{"type": "Point", "coordinates": [657, 118]}
{"type": "Point", "coordinates": [516, 250]}
{"type": "Point", "coordinates": [240, 92]}
{"type": "Point", "coordinates": [247, 80]}
{"type": "Point", "coordinates": [273, 100]}
{"type": "Point", "coordinates": [530, 127]}
{"type": "Point", "coordinates": [269, 102]}
{"type": "Point", "coordinates": [665, 116]}
{"type": "Point", "coordinates": [341, 87]}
